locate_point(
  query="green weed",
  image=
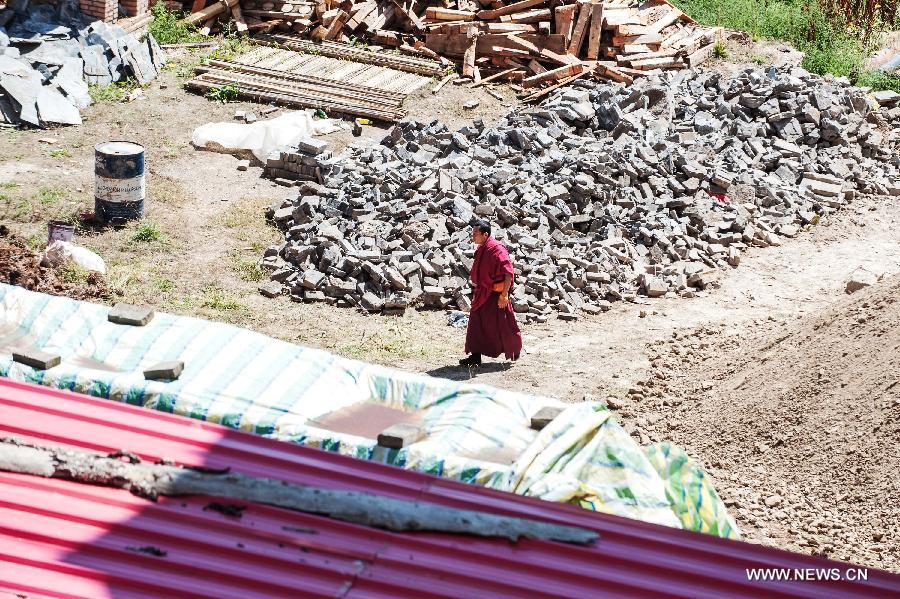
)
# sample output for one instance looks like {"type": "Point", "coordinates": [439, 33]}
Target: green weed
{"type": "Point", "coordinates": [719, 51]}
{"type": "Point", "coordinates": [224, 94]}
{"type": "Point", "coordinates": [114, 92]}
{"type": "Point", "coordinates": [8, 185]}
{"type": "Point", "coordinates": [167, 27]}
{"type": "Point", "coordinates": [60, 153]}
{"type": "Point", "coordinates": [878, 80]}
{"type": "Point", "coordinates": [147, 233]}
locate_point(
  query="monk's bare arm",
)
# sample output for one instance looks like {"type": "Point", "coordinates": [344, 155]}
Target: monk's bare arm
{"type": "Point", "coordinates": [504, 295]}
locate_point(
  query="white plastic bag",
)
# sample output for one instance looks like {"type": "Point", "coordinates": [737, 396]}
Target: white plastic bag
{"type": "Point", "coordinates": [61, 252]}
{"type": "Point", "coordinates": [262, 137]}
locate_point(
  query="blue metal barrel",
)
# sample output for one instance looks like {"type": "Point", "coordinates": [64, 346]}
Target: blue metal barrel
{"type": "Point", "coordinates": [119, 181]}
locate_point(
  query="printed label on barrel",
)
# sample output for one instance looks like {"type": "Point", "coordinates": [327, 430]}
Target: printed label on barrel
{"type": "Point", "coordinates": [119, 190]}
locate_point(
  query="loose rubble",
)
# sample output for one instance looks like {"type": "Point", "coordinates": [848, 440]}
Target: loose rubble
{"type": "Point", "coordinates": [602, 192]}
{"type": "Point", "coordinates": [48, 59]}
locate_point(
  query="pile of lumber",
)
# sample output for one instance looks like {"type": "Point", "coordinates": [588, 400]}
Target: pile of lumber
{"type": "Point", "coordinates": [533, 43]}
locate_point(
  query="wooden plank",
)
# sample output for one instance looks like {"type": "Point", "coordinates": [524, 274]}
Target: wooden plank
{"type": "Point", "coordinates": [198, 5]}
{"type": "Point", "coordinates": [701, 55]}
{"type": "Point", "coordinates": [650, 38]}
{"type": "Point", "coordinates": [544, 92]}
{"type": "Point", "coordinates": [435, 13]}
{"type": "Point", "coordinates": [487, 15]}
{"type": "Point", "coordinates": [239, 23]}
{"type": "Point", "coordinates": [413, 21]}
{"type": "Point", "coordinates": [659, 63]}
{"type": "Point", "coordinates": [209, 12]}
{"type": "Point", "coordinates": [469, 57]}
{"type": "Point", "coordinates": [553, 75]}
{"type": "Point", "coordinates": [595, 31]}
{"type": "Point", "coordinates": [578, 33]}
{"type": "Point", "coordinates": [530, 16]}
{"type": "Point", "coordinates": [613, 73]}
{"type": "Point", "coordinates": [455, 45]}
{"type": "Point", "coordinates": [565, 20]}
{"type": "Point", "coordinates": [669, 18]}
{"type": "Point", "coordinates": [536, 67]}
{"type": "Point", "coordinates": [492, 77]}
{"type": "Point", "coordinates": [509, 28]}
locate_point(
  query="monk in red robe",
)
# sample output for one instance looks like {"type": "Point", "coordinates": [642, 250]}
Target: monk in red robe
{"type": "Point", "coordinates": [492, 322]}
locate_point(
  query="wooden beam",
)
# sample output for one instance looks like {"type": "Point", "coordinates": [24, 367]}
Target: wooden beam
{"type": "Point", "coordinates": [209, 12]}
{"type": "Point", "coordinates": [492, 77]}
{"type": "Point", "coordinates": [435, 13]}
{"type": "Point", "coordinates": [469, 57]}
{"type": "Point", "coordinates": [565, 19]}
{"type": "Point", "coordinates": [554, 75]}
{"type": "Point", "coordinates": [487, 15]}
{"type": "Point", "coordinates": [584, 15]}
{"type": "Point", "coordinates": [595, 31]}
{"type": "Point", "coordinates": [529, 16]}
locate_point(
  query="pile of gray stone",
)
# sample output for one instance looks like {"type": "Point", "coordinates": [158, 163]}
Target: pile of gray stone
{"type": "Point", "coordinates": [601, 193]}
{"type": "Point", "coordinates": [49, 55]}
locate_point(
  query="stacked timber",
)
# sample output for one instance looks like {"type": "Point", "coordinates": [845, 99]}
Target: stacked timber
{"type": "Point", "coordinates": [534, 43]}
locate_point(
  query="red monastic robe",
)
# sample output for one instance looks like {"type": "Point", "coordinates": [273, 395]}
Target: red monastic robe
{"type": "Point", "coordinates": [492, 331]}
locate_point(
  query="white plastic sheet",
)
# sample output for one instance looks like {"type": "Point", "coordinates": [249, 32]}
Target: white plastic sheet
{"type": "Point", "coordinates": [262, 137]}
{"type": "Point", "coordinates": [61, 252]}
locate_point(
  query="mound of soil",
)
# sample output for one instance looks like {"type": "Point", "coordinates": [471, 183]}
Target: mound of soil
{"type": "Point", "coordinates": [799, 423]}
{"type": "Point", "coordinates": [20, 265]}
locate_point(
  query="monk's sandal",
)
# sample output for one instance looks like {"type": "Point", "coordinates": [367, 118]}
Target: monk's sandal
{"type": "Point", "coordinates": [471, 361]}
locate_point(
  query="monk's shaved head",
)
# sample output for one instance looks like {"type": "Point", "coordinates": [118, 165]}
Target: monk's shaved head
{"type": "Point", "coordinates": [483, 226]}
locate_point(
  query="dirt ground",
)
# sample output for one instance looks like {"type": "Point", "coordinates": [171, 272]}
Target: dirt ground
{"type": "Point", "coordinates": [195, 253]}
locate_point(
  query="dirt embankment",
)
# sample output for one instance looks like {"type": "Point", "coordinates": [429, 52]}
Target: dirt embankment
{"type": "Point", "coordinates": [798, 422]}
{"type": "Point", "coordinates": [21, 265]}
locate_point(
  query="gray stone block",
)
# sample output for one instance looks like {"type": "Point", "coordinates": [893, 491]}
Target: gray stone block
{"type": "Point", "coordinates": [400, 435]}
{"type": "Point", "coordinates": [35, 358]}
{"type": "Point", "coordinates": [164, 371]}
{"type": "Point", "coordinates": [127, 314]}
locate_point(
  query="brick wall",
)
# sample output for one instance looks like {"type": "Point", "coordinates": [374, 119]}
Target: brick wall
{"type": "Point", "coordinates": [134, 8]}
{"type": "Point", "coordinates": [105, 10]}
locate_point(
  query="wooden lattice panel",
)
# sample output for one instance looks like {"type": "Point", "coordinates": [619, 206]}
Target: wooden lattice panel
{"type": "Point", "coordinates": [332, 69]}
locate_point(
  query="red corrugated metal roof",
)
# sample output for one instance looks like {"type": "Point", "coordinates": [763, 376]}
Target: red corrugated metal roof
{"type": "Point", "coordinates": [63, 539]}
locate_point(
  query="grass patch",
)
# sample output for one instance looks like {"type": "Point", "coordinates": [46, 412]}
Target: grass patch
{"type": "Point", "coordinates": [215, 298]}
{"type": "Point", "coordinates": [878, 80]}
{"type": "Point", "coordinates": [60, 153]}
{"type": "Point", "coordinates": [165, 285]}
{"type": "Point", "coordinates": [72, 273]}
{"type": "Point", "coordinates": [147, 233]}
{"type": "Point", "coordinates": [167, 27]}
{"type": "Point", "coordinates": [45, 204]}
{"type": "Point", "coordinates": [8, 185]}
{"type": "Point", "coordinates": [248, 269]}
{"type": "Point", "coordinates": [829, 45]}
{"type": "Point", "coordinates": [246, 218]}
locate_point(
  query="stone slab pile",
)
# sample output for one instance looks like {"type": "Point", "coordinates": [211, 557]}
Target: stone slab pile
{"type": "Point", "coordinates": [303, 162]}
{"type": "Point", "coordinates": [601, 193]}
{"type": "Point", "coordinates": [50, 54]}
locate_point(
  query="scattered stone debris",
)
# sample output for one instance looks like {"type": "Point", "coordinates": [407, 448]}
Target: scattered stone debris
{"type": "Point", "coordinates": [601, 193]}
{"type": "Point", "coordinates": [50, 55]}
